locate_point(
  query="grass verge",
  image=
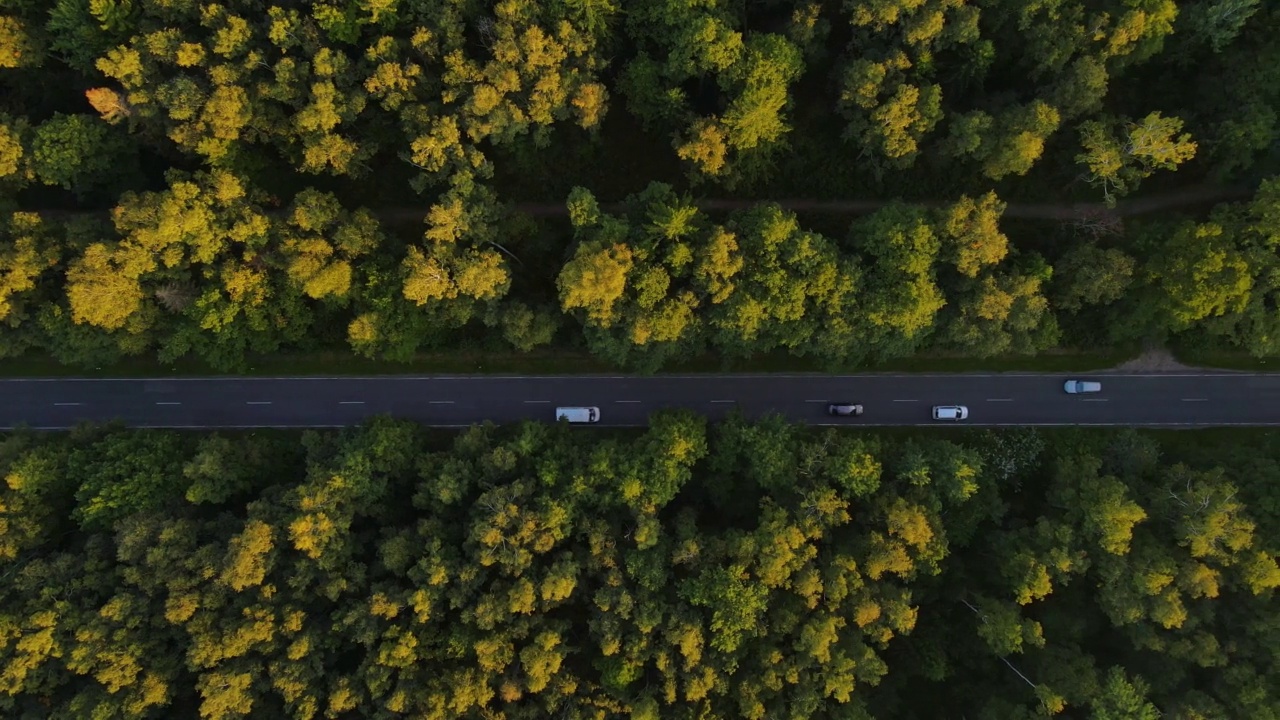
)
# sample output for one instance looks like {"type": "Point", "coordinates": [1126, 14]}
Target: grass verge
{"type": "Point", "coordinates": [322, 363]}
{"type": "Point", "coordinates": [1225, 359]}
{"type": "Point", "coordinates": [1057, 361]}
{"type": "Point", "coordinates": [548, 362]}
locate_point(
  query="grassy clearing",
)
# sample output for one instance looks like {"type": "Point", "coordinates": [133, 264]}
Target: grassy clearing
{"type": "Point", "coordinates": [563, 362]}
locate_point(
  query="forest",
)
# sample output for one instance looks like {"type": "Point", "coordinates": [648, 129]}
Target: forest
{"type": "Point", "coordinates": [748, 569]}
{"type": "Point", "coordinates": [637, 181]}
{"type": "Point", "coordinates": [847, 183]}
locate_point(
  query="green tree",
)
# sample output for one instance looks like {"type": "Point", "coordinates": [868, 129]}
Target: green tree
{"type": "Point", "coordinates": [29, 250]}
{"type": "Point", "coordinates": [890, 92]}
{"type": "Point", "coordinates": [1247, 233]}
{"type": "Point", "coordinates": [1117, 164]}
{"type": "Point", "coordinates": [1200, 274]}
{"type": "Point", "coordinates": [1121, 698]}
{"type": "Point", "coordinates": [971, 233]}
{"type": "Point", "coordinates": [13, 168]}
{"type": "Point", "coordinates": [794, 291]}
{"type": "Point", "coordinates": [79, 153]}
{"type": "Point", "coordinates": [1106, 513]}
{"type": "Point", "coordinates": [320, 240]}
{"type": "Point", "coordinates": [1233, 116]}
{"type": "Point", "coordinates": [1089, 275]}
{"type": "Point", "coordinates": [221, 468]}
{"type": "Point", "coordinates": [594, 280]}
{"type": "Point", "coordinates": [1218, 23]}
{"type": "Point", "coordinates": [901, 296]}
{"type": "Point", "coordinates": [530, 564]}
{"type": "Point", "coordinates": [459, 274]}
{"type": "Point", "coordinates": [18, 46]}
{"type": "Point", "coordinates": [1003, 312]}
{"type": "Point", "coordinates": [199, 260]}
{"type": "Point", "coordinates": [681, 45]}
{"type": "Point", "coordinates": [1005, 143]}
{"type": "Point", "coordinates": [125, 473]}
{"type": "Point", "coordinates": [888, 116]}
{"type": "Point", "coordinates": [759, 87]}
{"type": "Point", "coordinates": [639, 283]}
{"type": "Point", "coordinates": [103, 288]}
{"type": "Point", "coordinates": [462, 266]}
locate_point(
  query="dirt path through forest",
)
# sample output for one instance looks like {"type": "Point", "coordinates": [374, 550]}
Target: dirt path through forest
{"type": "Point", "coordinates": [1196, 195]}
{"type": "Point", "coordinates": [1191, 196]}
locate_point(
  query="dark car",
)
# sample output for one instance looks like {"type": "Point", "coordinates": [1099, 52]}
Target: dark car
{"type": "Point", "coordinates": [844, 409]}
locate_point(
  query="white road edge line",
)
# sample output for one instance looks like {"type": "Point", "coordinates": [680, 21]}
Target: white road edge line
{"type": "Point", "coordinates": [660, 376]}
{"type": "Point", "coordinates": [852, 428]}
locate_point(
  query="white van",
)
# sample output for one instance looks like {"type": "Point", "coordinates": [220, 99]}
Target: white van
{"type": "Point", "coordinates": [578, 414]}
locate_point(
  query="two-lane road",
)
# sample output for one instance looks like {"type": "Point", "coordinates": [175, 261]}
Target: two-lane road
{"type": "Point", "coordinates": [1170, 400]}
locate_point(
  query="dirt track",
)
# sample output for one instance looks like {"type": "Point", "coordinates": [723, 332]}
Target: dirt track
{"type": "Point", "coordinates": [1192, 196]}
{"type": "Point", "coordinates": [1188, 197]}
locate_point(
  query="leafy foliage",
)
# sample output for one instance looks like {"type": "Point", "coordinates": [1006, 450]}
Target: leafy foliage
{"type": "Point", "coordinates": [504, 570]}
{"type": "Point", "coordinates": [259, 162]}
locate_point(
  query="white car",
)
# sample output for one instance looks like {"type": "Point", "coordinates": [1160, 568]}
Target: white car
{"type": "Point", "coordinates": [1081, 386]}
{"type": "Point", "coordinates": [950, 412]}
{"type": "Point", "coordinates": [578, 414]}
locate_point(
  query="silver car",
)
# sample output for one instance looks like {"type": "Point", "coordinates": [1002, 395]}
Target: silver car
{"type": "Point", "coordinates": [950, 412]}
{"type": "Point", "coordinates": [1081, 386]}
{"type": "Point", "coordinates": [844, 409]}
{"type": "Point", "coordinates": [578, 414]}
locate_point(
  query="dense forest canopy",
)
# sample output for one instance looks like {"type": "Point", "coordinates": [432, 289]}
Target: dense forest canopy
{"type": "Point", "coordinates": [227, 180]}
{"type": "Point", "coordinates": [222, 180]}
{"type": "Point", "coordinates": [750, 569]}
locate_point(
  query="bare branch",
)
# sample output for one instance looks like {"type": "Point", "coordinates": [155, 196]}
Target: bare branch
{"type": "Point", "coordinates": [1019, 672]}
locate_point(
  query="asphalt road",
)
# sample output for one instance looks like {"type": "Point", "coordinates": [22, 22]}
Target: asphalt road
{"type": "Point", "coordinates": [1173, 400]}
